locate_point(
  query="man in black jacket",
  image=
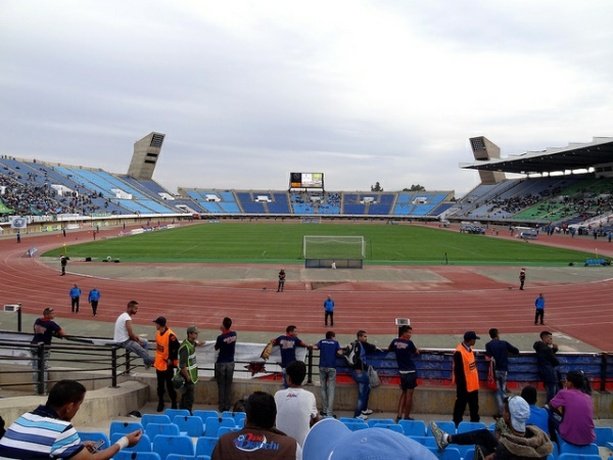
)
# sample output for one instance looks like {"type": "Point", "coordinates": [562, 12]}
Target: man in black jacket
{"type": "Point", "coordinates": [548, 363]}
{"type": "Point", "coordinates": [356, 355]}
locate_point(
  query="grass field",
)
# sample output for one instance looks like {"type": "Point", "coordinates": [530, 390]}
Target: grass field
{"type": "Point", "coordinates": [273, 243]}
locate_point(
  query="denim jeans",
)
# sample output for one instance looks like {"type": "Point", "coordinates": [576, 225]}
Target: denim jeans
{"type": "Point", "coordinates": [327, 377]}
{"type": "Point", "coordinates": [361, 378]}
{"type": "Point", "coordinates": [501, 389]}
{"type": "Point", "coordinates": [224, 374]}
{"type": "Point", "coordinates": [139, 350]}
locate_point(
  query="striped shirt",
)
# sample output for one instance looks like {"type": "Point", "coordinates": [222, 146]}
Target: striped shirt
{"type": "Point", "coordinates": [40, 434]}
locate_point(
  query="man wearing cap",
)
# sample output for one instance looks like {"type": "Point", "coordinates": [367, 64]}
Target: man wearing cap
{"type": "Point", "coordinates": [166, 354]}
{"type": "Point", "coordinates": [188, 366]}
{"type": "Point", "coordinates": [44, 329]}
{"type": "Point", "coordinates": [330, 439]}
{"type": "Point", "coordinates": [513, 438]}
{"type": "Point", "coordinates": [522, 278]}
{"type": "Point", "coordinates": [466, 379]}
{"type": "Point", "coordinates": [125, 337]}
{"type": "Point", "coordinates": [259, 439]}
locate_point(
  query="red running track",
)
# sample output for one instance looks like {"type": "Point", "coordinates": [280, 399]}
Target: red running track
{"type": "Point", "coordinates": [466, 301]}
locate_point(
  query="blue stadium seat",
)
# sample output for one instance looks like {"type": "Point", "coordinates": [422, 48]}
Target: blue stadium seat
{"type": "Point", "coordinates": [172, 413]}
{"type": "Point", "coordinates": [166, 445]}
{"type": "Point", "coordinates": [205, 445]}
{"type": "Point", "coordinates": [203, 457]}
{"type": "Point", "coordinates": [180, 457]}
{"type": "Point", "coordinates": [373, 421]}
{"type": "Point", "coordinates": [225, 429]}
{"type": "Point", "coordinates": [124, 427]}
{"type": "Point", "coordinates": [190, 424]}
{"type": "Point", "coordinates": [413, 427]}
{"type": "Point", "coordinates": [156, 429]}
{"type": "Point", "coordinates": [464, 427]}
{"type": "Point", "coordinates": [445, 425]}
{"type": "Point", "coordinates": [604, 435]}
{"type": "Point", "coordinates": [127, 455]}
{"type": "Point", "coordinates": [95, 436]}
{"type": "Point", "coordinates": [566, 448]}
{"type": "Point", "coordinates": [449, 453]}
{"type": "Point", "coordinates": [390, 426]}
{"type": "Point", "coordinates": [144, 445]}
{"type": "Point", "coordinates": [154, 418]}
{"type": "Point", "coordinates": [204, 414]}
{"type": "Point", "coordinates": [211, 425]}
{"type": "Point", "coordinates": [570, 456]}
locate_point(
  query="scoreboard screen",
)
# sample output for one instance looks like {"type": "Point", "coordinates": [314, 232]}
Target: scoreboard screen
{"type": "Point", "coordinates": [306, 180]}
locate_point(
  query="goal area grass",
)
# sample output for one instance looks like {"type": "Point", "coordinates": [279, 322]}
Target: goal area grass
{"type": "Point", "coordinates": [283, 243]}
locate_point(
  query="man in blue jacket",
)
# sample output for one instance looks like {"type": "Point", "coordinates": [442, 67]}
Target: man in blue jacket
{"type": "Point", "coordinates": [75, 295]}
{"type": "Point", "coordinates": [93, 298]}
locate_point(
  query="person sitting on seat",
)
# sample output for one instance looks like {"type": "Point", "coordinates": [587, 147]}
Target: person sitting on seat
{"type": "Point", "coordinates": [513, 439]}
{"type": "Point", "coordinates": [577, 409]}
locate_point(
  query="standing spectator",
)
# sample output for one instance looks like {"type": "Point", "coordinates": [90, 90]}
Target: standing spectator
{"type": "Point", "coordinates": [356, 355]}
{"type": "Point", "coordinates": [125, 337]}
{"type": "Point", "coordinates": [18, 237]}
{"type": "Point", "coordinates": [259, 440]}
{"type": "Point", "coordinates": [547, 362]}
{"type": "Point", "coordinates": [296, 407]}
{"type": "Point", "coordinates": [404, 349]}
{"type": "Point", "coordinates": [577, 426]}
{"type": "Point", "coordinates": [522, 278]}
{"type": "Point", "coordinates": [188, 366]}
{"type": "Point", "coordinates": [538, 415]}
{"type": "Point", "coordinates": [75, 296]}
{"type": "Point", "coordinates": [224, 366]}
{"type": "Point", "coordinates": [287, 344]}
{"type": "Point", "coordinates": [539, 312]}
{"type": "Point", "coordinates": [45, 329]}
{"type": "Point", "coordinates": [93, 298]}
{"type": "Point", "coordinates": [63, 263]}
{"type": "Point", "coordinates": [166, 360]}
{"type": "Point", "coordinates": [46, 432]}
{"type": "Point", "coordinates": [281, 284]}
{"type": "Point", "coordinates": [498, 351]}
{"type": "Point", "coordinates": [466, 379]}
{"type": "Point", "coordinates": [329, 349]}
{"type": "Point", "coordinates": [329, 311]}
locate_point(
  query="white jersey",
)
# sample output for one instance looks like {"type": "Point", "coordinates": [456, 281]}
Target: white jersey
{"type": "Point", "coordinates": [121, 332]}
{"type": "Point", "coordinates": [295, 408]}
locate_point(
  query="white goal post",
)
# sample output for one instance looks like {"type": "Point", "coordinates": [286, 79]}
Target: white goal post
{"type": "Point", "coordinates": [333, 247]}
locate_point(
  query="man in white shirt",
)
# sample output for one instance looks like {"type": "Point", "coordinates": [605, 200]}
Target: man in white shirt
{"type": "Point", "coordinates": [296, 407]}
{"type": "Point", "coordinates": [125, 337]}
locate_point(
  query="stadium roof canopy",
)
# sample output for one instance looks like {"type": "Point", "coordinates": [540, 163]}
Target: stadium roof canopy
{"type": "Point", "coordinates": [553, 159]}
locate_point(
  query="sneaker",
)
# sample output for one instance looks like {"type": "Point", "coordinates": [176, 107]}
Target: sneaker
{"type": "Point", "coordinates": [367, 412]}
{"type": "Point", "coordinates": [439, 436]}
{"type": "Point", "coordinates": [362, 417]}
{"type": "Point", "coordinates": [160, 407]}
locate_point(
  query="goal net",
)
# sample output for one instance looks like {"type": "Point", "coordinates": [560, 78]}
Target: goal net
{"type": "Point", "coordinates": [333, 247]}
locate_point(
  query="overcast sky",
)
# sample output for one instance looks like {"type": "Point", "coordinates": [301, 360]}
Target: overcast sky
{"type": "Point", "coordinates": [248, 91]}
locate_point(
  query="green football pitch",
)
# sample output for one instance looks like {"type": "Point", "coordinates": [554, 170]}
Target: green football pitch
{"type": "Point", "coordinates": [275, 243]}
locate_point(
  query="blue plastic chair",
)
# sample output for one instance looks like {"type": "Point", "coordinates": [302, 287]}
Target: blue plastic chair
{"type": "Point", "coordinates": [172, 413]}
{"type": "Point", "coordinates": [95, 436]}
{"type": "Point", "coordinates": [211, 425]}
{"type": "Point", "coordinates": [189, 424]}
{"type": "Point", "coordinates": [124, 427]}
{"type": "Point", "coordinates": [205, 445]}
{"type": "Point", "coordinates": [445, 425]}
{"type": "Point", "coordinates": [464, 427]}
{"type": "Point", "coordinates": [127, 455]}
{"type": "Point", "coordinates": [180, 457]}
{"type": "Point", "coordinates": [450, 453]}
{"type": "Point", "coordinates": [204, 414]}
{"type": "Point", "coordinates": [390, 426]}
{"type": "Point", "coordinates": [570, 456]}
{"type": "Point", "coordinates": [144, 445]}
{"type": "Point", "coordinates": [604, 435]}
{"type": "Point", "coordinates": [373, 421]}
{"type": "Point", "coordinates": [413, 427]}
{"type": "Point", "coordinates": [154, 418]}
{"type": "Point", "coordinates": [165, 445]}
{"type": "Point", "coordinates": [566, 448]}
{"type": "Point", "coordinates": [203, 457]}
{"type": "Point", "coordinates": [156, 429]}
{"type": "Point", "coordinates": [225, 429]}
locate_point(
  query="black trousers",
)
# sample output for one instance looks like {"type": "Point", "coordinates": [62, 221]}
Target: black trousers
{"type": "Point", "coordinates": [74, 304]}
{"type": "Point", "coordinates": [331, 315]}
{"type": "Point", "coordinates": [464, 397]}
{"type": "Point", "coordinates": [539, 314]}
{"type": "Point", "coordinates": [482, 438]}
{"type": "Point", "coordinates": [164, 379]}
